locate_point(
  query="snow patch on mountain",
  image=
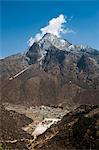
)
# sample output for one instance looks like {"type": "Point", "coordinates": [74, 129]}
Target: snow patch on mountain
{"type": "Point", "coordinates": [52, 40]}
{"type": "Point", "coordinates": [43, 54]}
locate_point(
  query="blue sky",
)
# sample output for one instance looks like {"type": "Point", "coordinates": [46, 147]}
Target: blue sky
{"type": "Point", "coordinates": [22, 19]}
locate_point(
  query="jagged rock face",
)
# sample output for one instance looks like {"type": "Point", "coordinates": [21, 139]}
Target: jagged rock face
{"type": "Point", "coordinates": [53, 57]}
{"type": "Point", "coordinates": [82, 64]}
{"type": "Point", "coordinates": [34, 53]}
{"type": "Point", "coordinates": [59, 73]}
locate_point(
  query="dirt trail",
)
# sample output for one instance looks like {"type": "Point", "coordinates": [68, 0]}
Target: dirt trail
{"type": "Point", "coordinates": [13, 77]}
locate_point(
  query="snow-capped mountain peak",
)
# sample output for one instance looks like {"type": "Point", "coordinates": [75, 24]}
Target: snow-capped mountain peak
{"type": "Point", "coordinates": [50, 44]}
{"type": "Point", "coordinates": [50, 39]}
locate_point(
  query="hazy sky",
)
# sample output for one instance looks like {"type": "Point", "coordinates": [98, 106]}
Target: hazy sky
{"type": "Point", "coordinates": [22, 19]}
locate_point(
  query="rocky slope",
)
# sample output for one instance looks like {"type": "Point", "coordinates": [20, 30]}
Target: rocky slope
{"type": "Point", "coordinates": [11, 124]}
{"type": "Point", "coordinates": [78, 129]}
{"type": "Point", "coordinates": [11, 65]}
{"type": "Point", "coordinates": [11, 134]}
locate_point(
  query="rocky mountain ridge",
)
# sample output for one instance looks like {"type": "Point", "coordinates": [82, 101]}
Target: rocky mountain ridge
{"type": "Point", "coordinates": [56, 72]}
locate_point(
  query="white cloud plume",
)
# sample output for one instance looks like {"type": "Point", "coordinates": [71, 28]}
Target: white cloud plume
{"type": "Point", "coordinates": [66, 31]}
{"type": "Point", "coordinates": [55, 27]}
